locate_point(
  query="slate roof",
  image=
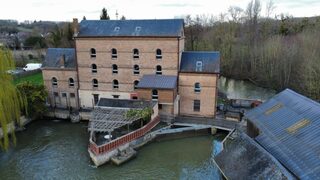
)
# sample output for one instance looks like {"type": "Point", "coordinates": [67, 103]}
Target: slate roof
{"type": "Point", "coordinates": [156, 27]}
{"type": "Point", "coordinates": [210, 61]}
{"type": "Point", "coordinates": [54, 55]}
{"type": "Point", "coordinates": [243, 158]}
{"type": "Point", "coordinates": [289, 129]}
{"type": "Point", "coordinates": [124, 103]}
{"type": "Point", "coordinates": [158, 82]}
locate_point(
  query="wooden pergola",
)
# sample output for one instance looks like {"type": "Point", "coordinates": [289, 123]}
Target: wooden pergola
{"type": "Point", "coordinates": [108, 119]}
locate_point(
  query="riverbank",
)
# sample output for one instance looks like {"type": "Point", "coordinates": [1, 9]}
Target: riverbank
{"type": "Point", "coordinates": [58, 149]}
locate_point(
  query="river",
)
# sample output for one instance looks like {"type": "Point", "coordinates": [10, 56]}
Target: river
{"type": "Point", "coordinates": [58, 150]}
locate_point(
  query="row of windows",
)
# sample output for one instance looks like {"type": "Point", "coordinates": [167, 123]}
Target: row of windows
{"type": "Point", "coordinates": [136, 69]}
{"type": "Point", "coordinates": [114, 53]}
{"type": "Point", "coordinates": [197, 87]}
{"type": "Point", "coordinates": [115, 84]}
{"type": "Point", "coordinates": [54, 82]}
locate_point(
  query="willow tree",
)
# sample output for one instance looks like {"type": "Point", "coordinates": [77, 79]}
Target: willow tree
{"type": "Point", "coordinates": [11, 101]}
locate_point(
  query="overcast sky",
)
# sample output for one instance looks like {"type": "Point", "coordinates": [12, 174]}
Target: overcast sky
{"type": "Point", "coordinates": [65, 10]}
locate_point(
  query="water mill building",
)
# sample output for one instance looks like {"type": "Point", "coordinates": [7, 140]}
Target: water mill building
{"type": "Point", "coordinates": [133, 59]}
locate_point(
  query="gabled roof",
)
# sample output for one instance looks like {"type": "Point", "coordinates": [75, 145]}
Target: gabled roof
{"type": "Point", "coordinates": [289, 129]}
{"type": "Point", "coordinates": [158, 82]}
{"type": "Point", "coordinates": [210, 61]}
{"type": "Point", "coordinates": [156, 27]}
{"type": "Point", "coordinates": [54, 55]}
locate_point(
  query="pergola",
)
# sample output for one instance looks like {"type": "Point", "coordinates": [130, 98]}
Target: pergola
{"type": "Point", "coordinates": [108, 119]}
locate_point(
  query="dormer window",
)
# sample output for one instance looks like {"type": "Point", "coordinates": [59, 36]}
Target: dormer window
{"type": "Point", "coordinates": [158, 54]}
{"type": "Point", "coordinates": [93, 53]}
{"type": "Point", "coordinates": [135, 53]}
{"type": "Point", "coordinates": [116, 29]}
{"type": "Point", "coordinates": [114, 53]}
{"type": "Point", "coordinates": [199, 66]}
{"type": "Point", "coordinates": [138, 28]}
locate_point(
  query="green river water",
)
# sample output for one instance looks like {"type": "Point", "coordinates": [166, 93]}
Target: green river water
{"type": "Point", "coordinates": [58, 150]}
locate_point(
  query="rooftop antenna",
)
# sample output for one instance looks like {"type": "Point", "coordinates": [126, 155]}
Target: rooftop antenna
{"type": "Point", "coordinates": [117, 14]}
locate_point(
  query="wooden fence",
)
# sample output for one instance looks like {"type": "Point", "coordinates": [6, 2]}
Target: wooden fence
{"type": "Point", "coordinates": [123, 139]}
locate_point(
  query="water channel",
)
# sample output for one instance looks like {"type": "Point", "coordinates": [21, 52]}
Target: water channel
{"type": "Point", "coordinates": [53, 149]}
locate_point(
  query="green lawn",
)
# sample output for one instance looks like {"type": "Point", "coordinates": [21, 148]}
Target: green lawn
{"type": "Point", "coordinates": [34, 78]}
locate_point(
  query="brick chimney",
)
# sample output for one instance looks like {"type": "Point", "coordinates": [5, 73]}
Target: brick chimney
{"type": "Point", "coordinates": [62, 61]}
{"type": "Point", "coordinates": [75, 26]}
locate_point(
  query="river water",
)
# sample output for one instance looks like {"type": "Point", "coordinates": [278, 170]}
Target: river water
{"type": "Point", "coordinates": [58, 150]}
{"type": "Point", "coordinates": [238, 89]}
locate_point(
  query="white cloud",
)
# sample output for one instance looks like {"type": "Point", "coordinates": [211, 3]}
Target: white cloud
{"type": "Point", "coordinates": [65, 10]}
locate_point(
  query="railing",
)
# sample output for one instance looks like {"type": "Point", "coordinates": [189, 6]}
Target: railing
{"type": "Point", "coordinates": [123, 139]}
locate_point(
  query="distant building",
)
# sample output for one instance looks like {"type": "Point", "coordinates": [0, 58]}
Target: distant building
{"type": "Point", "coordinates": [134, 59]}
{"type": "Point", "coordinates": [287, 126]}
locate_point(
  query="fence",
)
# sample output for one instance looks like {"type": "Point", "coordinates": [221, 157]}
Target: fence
{"type": "Point", "coordinates": [124, 139]}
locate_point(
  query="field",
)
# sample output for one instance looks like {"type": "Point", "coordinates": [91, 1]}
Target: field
{"type": "Point", "coordinates": [33, 78]}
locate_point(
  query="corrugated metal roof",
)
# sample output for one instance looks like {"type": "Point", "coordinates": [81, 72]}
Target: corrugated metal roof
{"type": "Point", "coordinates": [54, 55]}
{"type": "Point", "coordinates": [243, 158]}
{"type": "Point", "coordinates": [210, 61]}
{"type": "Point", "coordinates": [158, 82]}
{"type": "Point", "coordinates": [290, 132]}
{"type": "Point", "coordinates": [156, 27]}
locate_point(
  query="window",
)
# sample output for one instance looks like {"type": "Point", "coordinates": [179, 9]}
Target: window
{"type": "Point", "coordinates": [115, 84]}
{"type": "Point", "coordinates": [197, 87]}
{"type": "Point", "coordinates": [71, 82]}
{"type": "Point", "coordinates": [95, 83]}
{"type": "Point", "coordinates": [135, 84]}
{"type": "Point", "coordinates": [136, 69]}
{"type": "Point", "coordinates": [135, 53]}
{"type": "Point", "coordinates": [94, 68]}
{"type": "Point", "coordinates": [158, 54]}
{"type": "Point", "coordinates": [158, 70]}
{"type": "Point", "coordinates": [56, 94]}
{"type": "Point", "coordinates": [196, 105]}
{"type": "Point", "coordinates": [72, 95]}
{"type": "Point", "coordinates": [199, 66]}
{"type": "Point", "coordinates": [95, 98]}
{"type": "Point", "coordinates": [114, 69]}
{"type": "Point", "coordinates": [93, 53]}
{"type": "Point", "coordinates": [114, 53]}
{"type": "Point", "coordinates": [64, 95]}
{"type": "Point", "coordinates": [159, 106]}
{"type": "Point", "coordinates": [54, 82]}
{"type": "Point", "coordinates": [115, 96]}
{"type": "Point", "coordinates": [154, 94]}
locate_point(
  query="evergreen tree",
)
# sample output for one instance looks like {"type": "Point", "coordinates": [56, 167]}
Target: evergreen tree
{"type": "Point", "coordinates": [104, 15]}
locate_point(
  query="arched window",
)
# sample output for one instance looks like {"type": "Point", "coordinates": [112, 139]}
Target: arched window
{"type": "Point", "coordinates": [197, 87]}
{"type": "Point", "coordinates": [135, 53]}
{"type": "Point", "coordinates": [154, 94]}
{"type": "Point", "coordinates": [93, 53]}
{"type": "Point", "coordinates": [114, 69]}
{"type": "Point", "coordinates": [158, 54]}
{"type": "Point", "coordinates": [71, 82]}
{"type": "Point", "coordinates": [54, 81]}
{"type": "Point", "coordinates": [135, 84]}
{"type": "Point", "coordinates": [136, 69]}
{"type": "Point", "coordinates": [95, 83]}
{"type": "Point", "coordinates": [158, 70]}
{"type": "Point", "coordinates": [115, 84]}
{"type": "Point", "coordinates": [114, 53]}
{"type": "Point", "coordinates": [93, 68]}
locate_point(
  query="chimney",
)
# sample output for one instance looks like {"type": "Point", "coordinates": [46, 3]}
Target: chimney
{"type": "Point", "coordinates": [75, 26]}
{"type": "Point", "coordinates": [62, 61]}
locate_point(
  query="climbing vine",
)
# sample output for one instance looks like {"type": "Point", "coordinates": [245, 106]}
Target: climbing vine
{"type": "Point", "coordinates": [144, 114]}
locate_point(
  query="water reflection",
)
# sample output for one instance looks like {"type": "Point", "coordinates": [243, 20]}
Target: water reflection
{"type": "Point", "coordinates": [238, 89]}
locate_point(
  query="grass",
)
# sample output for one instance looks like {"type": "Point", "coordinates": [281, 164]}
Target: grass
{"type": "Point", "coordinates": [34, 78]}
